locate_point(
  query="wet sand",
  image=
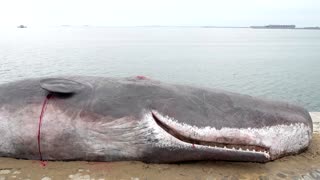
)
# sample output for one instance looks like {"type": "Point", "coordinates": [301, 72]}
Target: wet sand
{"type": "Point", "coordinates": [303, 166]}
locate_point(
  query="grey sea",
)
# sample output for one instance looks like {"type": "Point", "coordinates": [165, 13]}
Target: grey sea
{"type": "Point", "coordinates": [274, 64]}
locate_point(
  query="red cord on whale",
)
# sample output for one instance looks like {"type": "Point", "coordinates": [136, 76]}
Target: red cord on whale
{"type": "Point", "coordinates": [44, 106]}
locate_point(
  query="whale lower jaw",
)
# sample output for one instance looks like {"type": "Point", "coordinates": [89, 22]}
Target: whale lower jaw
{"type": "Point", "coordinates": [217, 145]}
{"type": "Point", "coordinates": [267, 143]}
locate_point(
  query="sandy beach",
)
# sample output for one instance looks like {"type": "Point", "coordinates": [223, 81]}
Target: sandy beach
{"type": "Point", "coordinates": [303, 166]}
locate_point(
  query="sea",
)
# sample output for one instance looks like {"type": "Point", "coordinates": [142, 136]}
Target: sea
{"type": "Point", "coordinates": [280, 64]}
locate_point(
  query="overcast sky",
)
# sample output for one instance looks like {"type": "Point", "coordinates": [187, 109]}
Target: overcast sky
{"type": "Point", "coordinates": [160, 12]}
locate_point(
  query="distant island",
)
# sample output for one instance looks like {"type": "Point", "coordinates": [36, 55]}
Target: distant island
{"type": "Point", "coordinates": [310, 28]}
{"type": "Point", "coordinates": [282, 27]}
{"type": "Point", "coordinates": [274, 27]}
{"type": "Point", "coordinates": [21, 26]}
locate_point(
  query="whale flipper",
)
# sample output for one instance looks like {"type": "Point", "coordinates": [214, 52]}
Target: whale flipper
{"type": "Point", "coordinates": [59, 85]}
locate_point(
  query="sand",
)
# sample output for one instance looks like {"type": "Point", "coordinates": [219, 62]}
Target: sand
{"type": "Point", "coordinates": [303, 166]}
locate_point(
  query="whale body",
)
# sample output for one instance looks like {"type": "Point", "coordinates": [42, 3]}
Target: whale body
{"type": "Point", "coordinates": [139, 119]}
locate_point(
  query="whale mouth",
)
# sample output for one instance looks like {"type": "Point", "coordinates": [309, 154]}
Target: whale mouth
{"type": "Point", "coordinates": [239, 147]}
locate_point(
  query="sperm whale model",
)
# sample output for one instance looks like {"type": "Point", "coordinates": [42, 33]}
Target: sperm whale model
{"type": "Point", "coordinates": [113, 119]}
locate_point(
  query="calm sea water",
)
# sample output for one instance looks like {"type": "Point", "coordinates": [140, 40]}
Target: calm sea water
{"type": "Point", "coordinates": [277, 64]}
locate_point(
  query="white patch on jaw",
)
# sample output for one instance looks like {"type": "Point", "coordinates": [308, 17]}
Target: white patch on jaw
{"type": "Point", "coordinates": [279, 138]}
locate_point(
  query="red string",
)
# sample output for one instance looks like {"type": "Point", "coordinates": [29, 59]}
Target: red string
{"type": "Point", "coordinates": [44, 107]}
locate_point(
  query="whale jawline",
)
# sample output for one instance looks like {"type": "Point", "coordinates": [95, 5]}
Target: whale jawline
{"type": "Point", "coordinates": [173, 132]}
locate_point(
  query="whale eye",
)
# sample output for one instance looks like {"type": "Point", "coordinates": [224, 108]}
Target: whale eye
{"type": "Point", "coordinates": [59, 85]}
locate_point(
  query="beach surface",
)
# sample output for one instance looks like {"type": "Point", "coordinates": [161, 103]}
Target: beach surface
{"type": "Point", "coordinates": [303, 166]}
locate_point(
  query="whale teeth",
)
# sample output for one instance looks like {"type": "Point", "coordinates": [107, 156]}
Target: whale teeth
{"type": "Point", "coordinates": [243, 150]}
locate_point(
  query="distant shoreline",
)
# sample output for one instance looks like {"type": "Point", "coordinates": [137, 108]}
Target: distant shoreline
{"type": "Point", "coordinates": [213, 27]}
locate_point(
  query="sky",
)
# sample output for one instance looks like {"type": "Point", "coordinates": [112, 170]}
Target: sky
{"type": "Point", "coordinates": [160, 12]}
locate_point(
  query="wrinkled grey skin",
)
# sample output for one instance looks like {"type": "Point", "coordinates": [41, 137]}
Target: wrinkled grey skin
{"type": "Point", "coordinates": [79, 126]}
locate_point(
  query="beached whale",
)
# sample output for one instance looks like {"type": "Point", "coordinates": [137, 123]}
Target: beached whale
{"type": "Point", "coordinates": [113, 119]}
